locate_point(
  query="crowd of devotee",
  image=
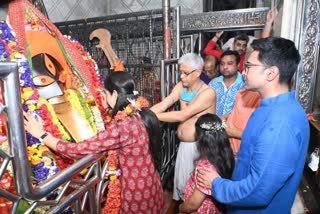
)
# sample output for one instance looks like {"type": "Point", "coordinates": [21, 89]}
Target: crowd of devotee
{"type": "Point", "coordinates": [243, 135]}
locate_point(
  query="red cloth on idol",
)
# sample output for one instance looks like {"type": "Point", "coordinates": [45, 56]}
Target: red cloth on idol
{"type": "Point", "coordinates": [141, 190]}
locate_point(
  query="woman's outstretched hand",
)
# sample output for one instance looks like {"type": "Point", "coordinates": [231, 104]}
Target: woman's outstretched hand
{"type": "Point", "coordinates": [33, 124]}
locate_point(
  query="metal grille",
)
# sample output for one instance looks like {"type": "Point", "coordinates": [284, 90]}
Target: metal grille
{"type": "Point", "coordinates": [137, 38]}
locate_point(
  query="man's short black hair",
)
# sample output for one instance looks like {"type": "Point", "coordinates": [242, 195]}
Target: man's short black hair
{"type": "Point", "coordinates": [279, 52]}
{"type": "Point", "coordinates": [242, 37]}
{"type": "Point", "coordinates": [234, 53]}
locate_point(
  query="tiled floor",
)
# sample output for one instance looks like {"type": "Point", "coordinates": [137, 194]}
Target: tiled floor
{"type": "Point", "coordinates": [297, 208]}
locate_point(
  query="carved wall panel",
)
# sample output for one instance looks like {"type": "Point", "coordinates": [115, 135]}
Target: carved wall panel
{"type": "Point", "coordinates": [307, 87]}
{"type": "Point", "coordinates": [252, 18]}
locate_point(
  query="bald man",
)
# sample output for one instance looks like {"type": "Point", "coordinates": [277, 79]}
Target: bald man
{"type": "Point", "coordinates": [210, 69]}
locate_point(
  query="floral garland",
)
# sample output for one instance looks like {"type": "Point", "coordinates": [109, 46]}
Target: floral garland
{"type": "Point", "coordinates": [10, 51]}
{"type": "Point", "coordinates": [113, 202]}
{"type": "Point", "coordinates": [79, 103]}
{"type": "Point", "coordinates": [133, 107]}
{"type": "Point", "coordinates": [96, 78]}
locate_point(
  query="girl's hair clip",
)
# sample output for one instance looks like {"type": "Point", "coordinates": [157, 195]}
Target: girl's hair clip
{"type": "Point", "coordinates": [135, 92]}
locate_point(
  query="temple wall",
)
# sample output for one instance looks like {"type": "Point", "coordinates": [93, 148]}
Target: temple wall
{"type": "Point", "coordinates": [60, 10]}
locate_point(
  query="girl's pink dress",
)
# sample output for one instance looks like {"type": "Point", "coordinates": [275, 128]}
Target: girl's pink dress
{"type": "Point", "coordinates": [141, 190]}
{"type": "Point", "coordinates": [209, 205]}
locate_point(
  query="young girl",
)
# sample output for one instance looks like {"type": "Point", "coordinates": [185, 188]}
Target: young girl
{"type": "Point", "coordinates": [135, 135]}
{"type": "Point", "coordinates": [215, 152]}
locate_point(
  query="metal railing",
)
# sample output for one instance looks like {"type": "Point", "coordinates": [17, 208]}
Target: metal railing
{"type": "Point", "coordinates": [170, 142]}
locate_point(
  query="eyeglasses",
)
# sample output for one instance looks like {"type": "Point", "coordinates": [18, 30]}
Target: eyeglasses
{"type": "Point", "coordinates": [187, 74]}
{"type": "Point", "coordinates": [247, 65]}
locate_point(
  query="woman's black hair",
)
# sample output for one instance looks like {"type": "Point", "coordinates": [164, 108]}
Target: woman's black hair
{"type": "Point", "coordinates": [152, 125]}
{"type": "Point", "coordinates": [213, 144]}
{"type": "Point", "coordinates": [123, 83]}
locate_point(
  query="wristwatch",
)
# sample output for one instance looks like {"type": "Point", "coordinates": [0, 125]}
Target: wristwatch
{"type": "Point", "coordinates": [42, 137]}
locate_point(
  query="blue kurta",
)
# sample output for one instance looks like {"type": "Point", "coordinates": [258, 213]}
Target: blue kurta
{"type": "Point", "coordinates": [270, 161]}
{"type": "Point", "coordinates": [226, 96]}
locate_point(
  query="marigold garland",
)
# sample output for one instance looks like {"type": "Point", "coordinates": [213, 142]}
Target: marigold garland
{"type": "Point", "coordinates": [82, 107]}
{"type": "Point", "coordinates": [97, 79]}
{"type": "Point", "coordinates": [113, 202]}
{"type": "Point", "coordinates": [95, 102]}
{"type": "Point", "coordinates": [10, 51]}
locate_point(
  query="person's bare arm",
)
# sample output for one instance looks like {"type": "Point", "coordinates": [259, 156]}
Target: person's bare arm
{"type": "Point", "coordinates": [217, 36]}
{"type": "Point", "coordinates": [193, 203]}
{"type": "Point", "coordinates": [268, 26]}
{"type": "Point", "coordinates": [235, 133]}
{"type": "Point", "coordinates": [202, 102]}
{"type": "Point", "coordinates": [169, 100]}
{"type": "Point", "coordinates": [224, 117]}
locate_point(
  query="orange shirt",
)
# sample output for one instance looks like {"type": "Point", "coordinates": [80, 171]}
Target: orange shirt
{"type": "Point", "coordinates": [245, 103]}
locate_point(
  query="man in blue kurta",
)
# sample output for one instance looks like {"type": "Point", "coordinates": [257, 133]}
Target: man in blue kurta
{"type": "Point", "coordinates": [274, 143]}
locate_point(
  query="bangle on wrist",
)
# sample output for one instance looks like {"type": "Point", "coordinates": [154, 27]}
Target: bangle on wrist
{"type": "Point", "coordinates": [42, 137]}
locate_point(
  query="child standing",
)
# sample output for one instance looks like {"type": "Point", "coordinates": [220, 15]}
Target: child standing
{"type": "Point", "coordinates": [215, 153]}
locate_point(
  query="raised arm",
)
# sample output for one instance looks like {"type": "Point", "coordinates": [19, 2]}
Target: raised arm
{"type": "Point", "coordinates": [169, 100]}
{"type": "Point", "coordinates": [268, 26]}
{"type": "Point", "coordinates": [210, 48]}
{"type": "Point", "coordinates": [105, 140]}
{"type": "Point", "coordinates": [235, 133]}
{"type": "Point", "coordinates": [205, 100]}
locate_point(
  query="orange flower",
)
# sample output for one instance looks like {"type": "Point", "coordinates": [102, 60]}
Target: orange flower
{"type": "Point", "coordinates": [144, 103]}
{"type": "Point", "coordinates": [120, 115]}
{"type": "Point", "coordinates": [113, 202]}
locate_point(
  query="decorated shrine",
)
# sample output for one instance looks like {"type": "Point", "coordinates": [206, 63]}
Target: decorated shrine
{"type": "Point", "coordinates": [55, 71]}
{"type": "Point", "coordinates": [60, 83]}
